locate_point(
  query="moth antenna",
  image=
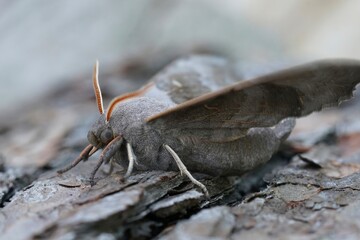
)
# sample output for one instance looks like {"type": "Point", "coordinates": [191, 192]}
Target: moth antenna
{"type": "Point", "coordinates": [96, 86]}
{"type": "Point", "coordinates": [120, 98]}
{"type": "Point", "coordinates": [132, 159]}
{"type": "Point", "coordinates": [183, 170]}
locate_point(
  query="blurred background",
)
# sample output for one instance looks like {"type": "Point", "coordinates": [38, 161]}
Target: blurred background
{"type": "Point", "coordinates": [44, 44]}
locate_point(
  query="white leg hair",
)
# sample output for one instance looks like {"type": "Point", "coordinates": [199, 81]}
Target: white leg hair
{"type": "Point", "coordinates": [132, 159]}
{"type": "Point", "coordinates": [183, 170]}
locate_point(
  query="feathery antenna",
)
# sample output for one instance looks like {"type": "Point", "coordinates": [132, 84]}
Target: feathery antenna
{"type": "Point", "coordinates": [97, 89]}
{"type": "Point", "coordinates": [120, 98]}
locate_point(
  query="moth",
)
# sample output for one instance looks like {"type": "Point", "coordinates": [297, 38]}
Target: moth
{"type": "Point", "coordinates": [197, 116]}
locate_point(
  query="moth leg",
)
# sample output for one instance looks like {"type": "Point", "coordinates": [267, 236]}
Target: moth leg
{"type": "Point", "coordinates": [184, 170]}
{"type": "Point", "coordinates": [84, 155]}
{"type": "Point", "coordinates": [106, 155]}
{"type": "Point", "coordinates": [132, 159]}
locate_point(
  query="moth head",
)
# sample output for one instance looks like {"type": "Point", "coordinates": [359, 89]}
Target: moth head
{"type": "Point", "coordinates": [101, 132]}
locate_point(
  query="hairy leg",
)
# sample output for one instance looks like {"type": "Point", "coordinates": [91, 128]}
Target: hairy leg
{"type": "Point", "coordinates": [106, 155]}
{"type": "Point", "coordinates": [84, 155]}
{"type": "Point", "coordinates": [132, 159]}
{"type": "Point", "coordinates": [183, 170]}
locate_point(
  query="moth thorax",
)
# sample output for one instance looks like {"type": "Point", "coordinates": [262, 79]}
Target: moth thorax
{"type": "Point", "coordinates": [134, 112]}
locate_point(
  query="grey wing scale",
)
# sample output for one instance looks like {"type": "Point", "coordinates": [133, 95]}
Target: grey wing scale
{"type": "Point", "coordinates": [230, 112]}
{"type": "Point", "coordinates": [191, 77]}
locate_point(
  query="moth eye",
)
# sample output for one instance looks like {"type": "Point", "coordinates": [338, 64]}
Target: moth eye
{"type": "Point", "coordinates": [106, 136]}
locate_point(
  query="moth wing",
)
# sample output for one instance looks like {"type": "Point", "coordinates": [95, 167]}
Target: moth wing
{"type": "Point", "coordinates": [229, 113]}
{"type": "Point", "coordinates": [191, 77]}
{"type": "Point", "coordinates": [183, 80]}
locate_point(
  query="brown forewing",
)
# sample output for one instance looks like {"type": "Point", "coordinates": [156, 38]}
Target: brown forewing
{"type": "Point", "coordinates": [262, 102]}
